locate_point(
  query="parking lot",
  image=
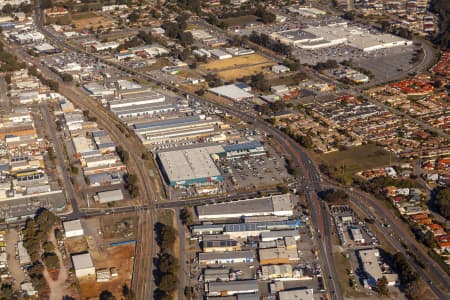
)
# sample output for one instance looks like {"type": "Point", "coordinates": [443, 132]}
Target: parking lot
{"type": "Point", "coordinates": [254, 172]}
{"type": "Point", "coordinates": [347, 222]}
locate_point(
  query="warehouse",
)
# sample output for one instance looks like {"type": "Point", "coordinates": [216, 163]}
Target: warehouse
{"type": "Point", "coordinates": [231, 92]}
{"type": "Point", "coordinates": [103, 141]}
{"type": "Point", "coordinates": [357, 37]}
{"type": "Point", "coordinates": [276, 271]}
{"type": "Point", "coordinates": [318, 37]}
{"type": "Point", "coordinates": [371, 265]}
{"type": "Point", "coordinates": [143, 110]}
{"type": "Point", "coordinates": [98, 90]}
{"type": "Point", "coordinates": [216, 274]}
{"type": "Point", "coordinates": [232, 287]}
{"type": "Point", "coordinates": [170, 130]}
{"type": "Point", "coordinates": [109, 196]}
{"type": "Point", "coordinates": [276, 256]}
{"type": "Point", "coordinates": [189, 167]}
{"type": "Point", "coordinates": [106, 159]}
{"type": "Point", "coordinates": [219, 243]}
{"type": "Point", "coordinates": [279, 234]}
{"type": "Point", "coordinates": [276, 205]}
{"type": "Point", "coordinates": [303, 294]}
{"type": "Point", "coordinates": [245, 230]}
{"type": "Point", "coordinates": [239, 150]}
{"type": "Point", "coordinates": [219, 54]}
{"type": "Point", "coordinates": [83, 145]}
{"type": "Point", "coordinates": [131, 98]}
{"type": "Point", "coordinates": [73, 228]}
{"type": "Point", "coordinates": [83, 265]}
{"type": "Point", "coordinates": [357, 235]}
{"type": "Point", "coordinates": [198, 230]}
{"type": "Point", "coordinates": [231, 257]}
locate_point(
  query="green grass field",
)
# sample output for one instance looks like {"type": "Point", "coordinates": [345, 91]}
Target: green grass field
{"type": "Point", "coordinates": [344, 164]}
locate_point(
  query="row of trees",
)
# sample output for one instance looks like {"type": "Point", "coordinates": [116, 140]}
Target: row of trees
{"type": "Point", "coordinates": [176, 30]}
{"type": "Point", "coordinates": [167, 264]}
{"type": "Point", "coordinates": [52, 84]}
{"type": "Point", "coordinates": [442, 202]}
{"type": "Point", "coordinates": [333, 196]}
{"type": "Point", "coordinates": [35, 241]}
{"type": "Point", "coordinates": [9, 62]}
{"type": "Point", "coordinates": [265, 41]}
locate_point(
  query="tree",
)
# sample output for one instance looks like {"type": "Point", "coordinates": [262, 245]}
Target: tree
{"type": "Point", "coordinates": [7, 9]}
{"type": "Point", "coordinates": [66, 77]}
{"type": "Point", "coordinates": [186, 216]}
{"type": "Point", "coordinates": [382, 286]}
{"type": "Point", "coordinates": [46, 4]}
{"type": "Point", "coordinates": [48, 246]}
{"type": "Point", "coordinates": [133, 17]}
{"type": "Point", "coordinates": [333, 195]}
{"type": "Point", "coordinates": [167, 263]}
{"type": "Point", "coordinates": [168, 283]}
{"type": "Point", "coordinates": [51, 260]}
{"type": "Point", "coordinates": [107, 295]}
{"type": "Point", "coordinates": [442, 202]}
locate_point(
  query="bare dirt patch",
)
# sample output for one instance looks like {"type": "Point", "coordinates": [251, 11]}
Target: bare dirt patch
{"type": "Point", "coordinates": [119, 257]}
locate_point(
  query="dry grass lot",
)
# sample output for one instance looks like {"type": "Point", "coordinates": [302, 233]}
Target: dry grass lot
{"type": "Point", "coordinates": [120, 257]}
{"type": "Point", "coordinates": [239, 66]}
{"type": "Point", "coordinates": [89, 20]}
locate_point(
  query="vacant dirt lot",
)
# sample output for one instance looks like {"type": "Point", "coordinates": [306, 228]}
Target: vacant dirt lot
{"type": "Point", "coordinates": [76, 245]}
{"type": "Point", "coordinates": [118, 227]}
{"type": "Point", "coordinates": [236, 62]}
{"type": "Point", "coordinates": [239, 66]}
{"type": "Point", "coordinates": [90, 20]}
{"type": "Point", "coordinates": [120, 257]}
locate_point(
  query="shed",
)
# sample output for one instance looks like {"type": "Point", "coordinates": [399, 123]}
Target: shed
{"type": "Point", "coordinates": [73, 228]}
{"type": "Point", "coordinates": [110, 196]}
{"type": "Point", "coordinates": [83, 265]}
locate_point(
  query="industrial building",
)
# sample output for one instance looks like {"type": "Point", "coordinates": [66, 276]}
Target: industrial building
{"type": "Point", "coordinates": [103, 141]}
{"type": "Point", "coordinates": [129, 98]}
{"type": "Point", "coordinates": [143, 110]}
{"type": "Point", "coordinates": [73, 228]}
{"type": "Point", "coordinates": [83, 265]}
{"type": "Point", "coordinates": [276, 271]}
{"type": "Point", "coordinates": [370, 262]}
{"type": "Point", "coordinates": [198, 230]}
{"type": "Point", "coordinates": [318, 37]}
{"type": "Point", "coordinates": [276, 205]}
{"type": "Point", "coordinates": [279, 234]}
{"type": "Point", "coordinates": [357, 235]}
{"type": "Point", "coordinates": [188, 167]}
{"type": "Point", "coordinates": [303, 294]}
{"type": "Point", "coordinates": [216, 274]}
{"type": "Point", "coordinates": [245, 230]}
{"type": "Point", "coordinates": [219, 243]}
{"type": "Point", "coordinates": [232, 92]}
{"type": "Point", "coordinates": [278, 255]}
{"type": "Point", "coordinates": [172, 130]}
{"type": "Point", "coordinates": [232, 287]}
{"type": "Point", "coordinates": [220, 54]}
{"type": "Point", "coordinates": [109, 196]}
{"type": "Point", "coordinates": [230, 257]}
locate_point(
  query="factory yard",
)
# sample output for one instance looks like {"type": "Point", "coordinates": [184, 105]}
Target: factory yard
{"type": "Point", "coordinates": [119, 257]}
{"type": "Point", "coordinates": [237, 67]}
